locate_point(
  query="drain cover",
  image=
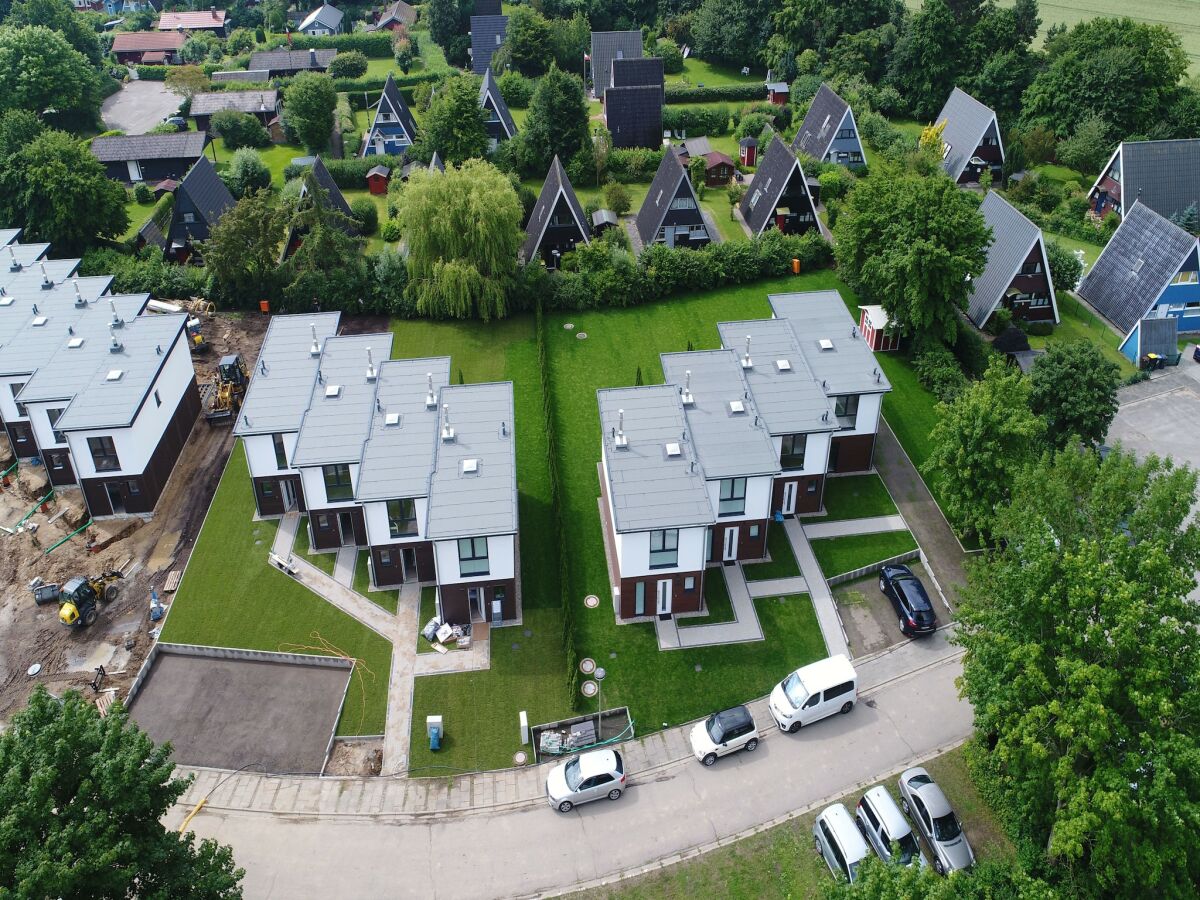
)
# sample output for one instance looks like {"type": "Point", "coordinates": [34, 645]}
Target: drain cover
{"type": "Point", "coordinates": [589, 688]}
{"type": "Point", "coordinates": [581, 335]}
{"type": "Point", "coordinates": [528, 633]}
{"type": "Point", "coordinates": [591, 601]}
{"type": "Point", "coordinates": [699, 668]}
{"type": "Point", "coordinates": [520, 758]}
{"type": "Point", "coordinates": [33, 670]}
{"type": "Point", "coordinates": [587, 665]}
{"type": "Point", "coordinates": [568, 326]}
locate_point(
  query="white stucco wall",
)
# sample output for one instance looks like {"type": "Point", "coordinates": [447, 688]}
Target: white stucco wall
{"type": "Point", "coordinates": [634, 552]}
{"type": "Point", "coordinates": [816, 455]}
{"type": "Point", "coordinates": [867, 421]}
{"type": "Point", "coordinates": [260, 454]}
{"type": "Point", "coordinates": [758, 498]}
{"type": "Point", "coordinates": [313, 479]}
{"type": "Point", "coordinates": [378, 532]}
{"type": "Point", "coordinates": [501, 560]}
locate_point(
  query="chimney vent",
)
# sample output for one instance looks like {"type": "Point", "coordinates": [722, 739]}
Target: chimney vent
{"type": "Point", "coordinates": [262, 366]}
{"type": "Point", "coordinates": [685, 396]}
{"type": "Point", "coordinates": [46, 282]}
{"type": "Point", "coordinates": [14, 265]}
{"type": "Point", "coordinates": [315, 349]}
{"type": "Point", "coordinates": [114, 345]}
{"type": "Point", "coordinates": [747, 362]}
{"type": "Point", "coordinates": [371, 371]}
{"type": "Point", "coordinates": [621, 440]}
{"type": "Point", "coordinates": [447, 428]}
{"type": "Point", "coordinates": [430, 398]}
{"type": "Point", "coordinates": [79, 301]}
{"type": "Point", "coordinates": [117, 321]}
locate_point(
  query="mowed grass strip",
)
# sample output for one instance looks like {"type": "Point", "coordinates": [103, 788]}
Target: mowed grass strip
{"type": "Point", "coordinates": [389, 599]}
{"type": "Point", "coordinates": [837, 556]}
{"type": "Point", "coordinates": [231, 597]}
{"type": "Point", "coordinates": [782, 563]}
{"type": "Point", "coordinates": [716, 601]}
{"type": "Point", "coordinates": [857, 497]}
{"type": "Point", "coordinates": [323, 560]}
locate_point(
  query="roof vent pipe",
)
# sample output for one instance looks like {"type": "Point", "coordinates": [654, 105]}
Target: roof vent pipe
{"type": "Point", "coordinates": [79, 301]}
{"type": "Point", "coordinates": [262, 365]}
{"type": "Point", "coordinates": [503, 429]}
{"type": "Point", "coordinates": [14, 265]}
{"type": "Point", "coordinates": [430, 398]}
{"type": "Point", "coordinates": [621, 440]}
{"type": "Point", "coordinates": [447, 428]}
{"type": "Point", "coordinates": [46, 282]}
{"type": "Point", "coordinates": [315, 349]}
{"type": "Point", "coordinates": [685, 395]}
{"type": "Point", "coordinates": [117, 321]}
{"type": "Point", "coordinates": [371, 373]}
{"type": "Point", "coordinates": [114, 345]}
{"type": "Point", "coordinates": [747, 363]}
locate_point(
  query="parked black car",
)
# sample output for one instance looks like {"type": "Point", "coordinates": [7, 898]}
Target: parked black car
{"type": "Point", "coordinates": [912, 604]}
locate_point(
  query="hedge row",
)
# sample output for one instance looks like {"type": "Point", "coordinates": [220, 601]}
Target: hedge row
{"type": "Point", "coordinates": [689, 93]}
{"type": "Point", "coordinates": [697, 119]}
{"type": "Point", "coordinates": [372, 44]}
{"type": "Point", "coordinates": [348, 173]}
{"type": "Point", "coordinates": [152, 73]}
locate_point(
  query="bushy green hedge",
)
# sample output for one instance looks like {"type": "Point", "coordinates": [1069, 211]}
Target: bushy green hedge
{"type": "Point", "coordinates": [689, 93]}
{"type": "Point", "coordinates": [145, 272]}
{"type": "Point", "coordinates": [633, 163]}
{"type": "Point", "coordinates": [697, 119]}
{"type": "Point", "coordinates": [372, 44]}
{"type": "Point", "coordinates": [151, 73]}
{"type": "Point", "coordinates": [596, 276]}
{"type": "Point", "coordinates": [350, 173]}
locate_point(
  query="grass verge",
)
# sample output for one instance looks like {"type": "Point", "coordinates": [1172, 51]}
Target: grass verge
{"type": "Point", "coordinates": [230, 597]}
{"type": "Point", "coordinates": [428, 611]}
{"type": "Point", "coordinates": [716, 601]}
{"type": "Point", "coordinates": [322, 560]}
{"type": "Point", "coordinates": [389, 600]}
{"type": "Point", "coordinates": [857, 497]}
{"type": "Point", "coordinates": [839, 555]}
{"type": "Point", "coordinates": [782, 563]}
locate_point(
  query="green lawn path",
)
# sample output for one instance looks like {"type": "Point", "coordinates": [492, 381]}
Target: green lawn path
{"type": "Point", "coordinates": [716, 601]}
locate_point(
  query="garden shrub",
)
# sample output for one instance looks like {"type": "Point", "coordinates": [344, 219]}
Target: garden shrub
{"type": "Point", "coordinates": [151, 73]}
{"type": "Point", "coordinates": [145, 272]}
{"type": "Point", "coordinates": [239, 129]}
{"type": "Point", "coordinates": [142, 193]}
{"type": "Point", "coordinates": [516, 89]}
{"type": "Point", "coordinates": [1040, 329]}
{"type": "Point", "coordinates": [1000, 321]}
{"type": "Point", "coordinates": [351, 64]}
{"type": "Point", "coordinates": [350, 173]}
{"type": "Point", "coordinates": [366, 214]}
{"type": "Point", "coordinates": [751, 125]}
{"type": "Point", "coordinates": [835, 183]}
{"type": "Point", "coordinates": [687, 93]}
{"type": "Point", "coordinates": [390, 231]}
{"type": "Point", "coordinates": [633, 163]}
{"type": "Point", "coordinates": [668, 51]}
{"type": "Point", "coordinates": [971, 350]}
{"type": "Point", "coordinates": [372, 44]}
{"type": "Point", "coordinates": [938, 370]}
{"type": "Point", "coordinates": [697, 120]}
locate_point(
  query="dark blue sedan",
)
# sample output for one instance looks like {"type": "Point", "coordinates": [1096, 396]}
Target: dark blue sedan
{"type": "Point", "coordinates": [913, 607]}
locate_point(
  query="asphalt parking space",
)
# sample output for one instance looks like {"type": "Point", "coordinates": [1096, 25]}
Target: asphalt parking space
{"type": "Point", "coordinates": [138, 107]}
{"type": "Point", "coordinates": [869, 617]}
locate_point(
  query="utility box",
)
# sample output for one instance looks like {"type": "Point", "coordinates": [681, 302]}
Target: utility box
{"type": "Point", "coordinates": [433, 727]}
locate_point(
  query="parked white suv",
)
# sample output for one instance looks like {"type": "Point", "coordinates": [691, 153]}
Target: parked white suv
{"type": "Point", "coordinates": [724, 732]}
{"type": "Point", "coordinates": [883, 825]}
{"type": "Point", "coordinates": [586, 777]}
{"type": "Point", "coordinates": [814, 692]}
{"type": "Point", "coordinates": [838, 841]}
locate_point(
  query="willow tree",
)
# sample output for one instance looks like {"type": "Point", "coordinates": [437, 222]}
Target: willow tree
{"type": "Point", "coordinates": [463, 229]}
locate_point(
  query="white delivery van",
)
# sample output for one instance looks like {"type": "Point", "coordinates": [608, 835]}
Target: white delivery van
{"type": "Point", "coordinates": [814, 692]}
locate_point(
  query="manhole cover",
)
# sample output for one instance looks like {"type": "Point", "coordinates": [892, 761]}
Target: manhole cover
{"type": "Point", "coordinates": [591, 601]}
{"type": "Point", "coordinates": [699, 668]}
{"type": "Point", "coordinates": [520, 758]}
{"type": "Point", "coordinates": [613, 655]}
{"type": "Point", "coordinates": [256, 543]}
{"type": "Point", "coordinates": [528, 633]}
{"type": "Point", "coordinates": [581, 335]}
{"type": "Point", "coordinates": [589, 688]}
{"type": "Point", "coordinates": [568, 326]}
{"type": "Point", "coordinates": [587, 665]}
{"type": "Point", "coordinates": [33, 670]}
{"type": "Point", "coordinates": [516, 646]}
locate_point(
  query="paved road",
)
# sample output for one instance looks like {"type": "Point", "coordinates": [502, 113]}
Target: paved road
{"type": "Point", "coordinates": [526, 848]}
{"type": "Point", "coordinates": [138, 107]}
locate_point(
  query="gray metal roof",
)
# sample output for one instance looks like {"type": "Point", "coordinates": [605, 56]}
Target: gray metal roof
{"type": "Point", "coordinates": [55, 323]}
{"type": "Point", "coordinates": [849, 367]}
{"type": "Point", "coordinates": [463, 504]}
{"type": "Point", "coordinates": [1013, 236]}
{"type": "Point", "coordinates": [1133, 270]}
{"type": "Point", "coordinates": [180, 145]}
{"type": "Point", "coordinates": [291, 60]}
{"type": "Point", "coordinates": [66, 370]}
{"type": "Point", "coordinates": [242, 101]}
{"type": "Point", "coordinates": [29, 279]}
{"type": "Point", "coordinates": [399, 12]}
{"type": "Point", "coordinates": [647, 488]}
{"type": "Point", "coordinates": [397, 459]}
{"type": "Point", "coordinates": [728, 444]}
{"type": "Point", "coordinates": [788, 397]}
{"type": "Point", "coordinates": [21, 306]}
{"type": "Point", "coordinates": [281, 381]}
{"type": "Point", "coordinates": [252, 75]}
{"type": "Point", "coordinates": [607, 46]}
{"type": "Point", "coordinates": [489, 90]}
{"type": "Point", "coordinates": [22, 254]}
{"type": "Point", "coordinates": [336, 424]}
{"type": "Point", "coordinates": [696, 146]}
{"type": "Point", "coordinates": [1159, 336]}
{"type": "Point", "coordinates": [146, 343]}
{"type": "Point", "coordinates": [966, 122]}
{"type": "Point", "coordinates": [556, 184]}
{"type": "Point", "coordinates": [325, 16]}
{"type": "Point", "coordinates": [8, 235]}
{"type": "Point", "coordinates": [821, 123]}
{"type": "Point", "coordinates": [487, 34]}
{"type": "Point", "coordinates": [1163, 175]}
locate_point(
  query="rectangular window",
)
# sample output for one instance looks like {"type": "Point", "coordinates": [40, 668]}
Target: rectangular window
{"type": "Point", "coordinates": [280, 451]}
{"type": "Point", "coordinates": [846, 409]}
{"type": "Point", "coordinates": [267, 488]}
{"type": "Point", "coordinates": [104, 454]}
{"type": "Point", "coordinates": [689, 583]}
{"type": "Point", "coordinates": [753, 531]}
{"type": "Point", "coordinates": [385, 558]}
{"type": "Point", "coordinates": [733, 497]}
{"type": "Point", "coordinates": [846, 134]}
{"type": "Point", "coordinates": [791, 451]}
{"type": "Point", "coordinates": [639, 599]}
{"type": "Point", "coordinates": [473, 556]}
{"type": "Point", "coordinates": [324, 522]}
{"type": "Point", "coordinates": [134, 488]}
{"type": "Point", "coordinates": [58, 461]}
{"type": "Point", "coordinates": [1039, 300]}
{"type": "Point", "coordinates": [337, 482]}
{"type": "Point", "coordinates": [402, 517]}
{"type": "Point", "coordinates": [664, 548]}
{"type": "Point", "coordinates": [1186, 278]}
{"type": "Point", "coordinates": [54, 415]}
{"type": "Point", "coordinates": [189, 218]}
{"type": "Point", "coordinates": [1032, 268]}
{"type": "Point", "coordinates": [16, 389]}
{"type": "Point", "coordinates": [683, 203]}
{"type": "Point", "coordinates": [812, 487]}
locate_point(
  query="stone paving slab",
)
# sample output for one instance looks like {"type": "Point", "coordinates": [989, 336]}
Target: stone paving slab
{"type": "Point", "coordinates": [343, 566]}
{"type": "Point", "coordinates": [777, 587]}
{"type": "Point", "coordinates": [847, 527]}
{"type": "Point", "coordinates": [818, 590]}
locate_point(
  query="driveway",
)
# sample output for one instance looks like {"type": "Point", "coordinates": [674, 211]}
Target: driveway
{"type": "Point", "coordinates": [138, 106]}
{"type": "Point", "coordinates": [869, 618]}
{"type": "Point", "coordinates": [330, 837]}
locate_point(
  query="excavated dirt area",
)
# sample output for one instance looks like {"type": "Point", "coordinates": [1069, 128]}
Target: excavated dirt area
{"type": "Point", "coordinates": [145, 551]}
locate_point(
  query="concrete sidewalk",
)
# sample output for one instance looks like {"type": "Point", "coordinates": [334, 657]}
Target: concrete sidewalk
{"type": "Point", "coordinates": [777, 587]}
{"type": "Point", "coordinates": [743, 628]}
{"type": "Point", "coordinates": [286, 832]}
{"type": "Point", "coordinates": [343, 566]}
{"type": "Point", "coordinates": [397, 730]}
{"type": "Point", "coordinates": [847, 527]}
{"type": "Point", "coordinates": [818, 590]}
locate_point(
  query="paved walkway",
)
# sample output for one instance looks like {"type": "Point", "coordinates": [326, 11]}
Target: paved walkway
{"type": "Point", "coordinates": [778, 587]}
{"type": "Point", "coordinates": [818, 590]}
{"type": "Point", "coordinates": [285, 831]}
{"type": "Point", "coordinates": [343, 566]}
{"type": "Point", "coordinates": [475, 658]}
{"type": "Point", "coordinates": [398, 729]}
{"type": "Point", "coordinates": [847, 527]}
{"type": "Point", "coordinates": [742, 629]}
{"type": "Point", "coordinates": [942, 550]}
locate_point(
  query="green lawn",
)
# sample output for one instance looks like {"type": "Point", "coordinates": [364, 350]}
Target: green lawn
{"type": "Point", "coordinates": [1063, 174]}
{"type": "Point", "coordinates": [1091, 252]}
{"type": "Point", "coordinates": [428, 611]}
{"type": "Point", "coordinates": [230, 597]}
{"type": "Point", "coordinates": [837, 556]}
{"type": "Point", "coordinates": [138, 214]}
{"type": "Point", "coordinates": [277, 157]}
{"type": "Point", "coordinates": [375, 243]}
{"type": "Point", "coordinates": [322, 560]}
{"type": "Point", "coordinates": [783, 561]}
{"type": "Point", "coordinates": [389, 600]}
{"type": "Point", "coordinates": [1080, 323]}
{"type": "Point", "coordinates": [716, 600]}
{"type": "Point", "coordinates": [910, 127]}
{"type": "Point", "coordinates": [697, 71]}
{"type": "Point", "coordinates": [779, 863]}
{"type": "Point", "coordinates": [857, 497]}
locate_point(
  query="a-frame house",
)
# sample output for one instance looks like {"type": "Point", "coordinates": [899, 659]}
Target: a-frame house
{"type": "Point", "coordinates": [329, 195]}
{"type": "Point", "coordinates": [671, 213]}
{"type": "Point", "coordinates": [393, 129]}
{"type": "Point", "coordinates": [500, 125]}
{"type": "Point", "coordinates": [778, 197]}
{"type": "Point", "coordinates": [557, 222]}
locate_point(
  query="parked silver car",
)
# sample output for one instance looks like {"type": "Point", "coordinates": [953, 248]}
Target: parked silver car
{"type": "Point", "coordinates": [923, 801]}
{"type": "Point", "coordinates": [586, 777]}
{"type": "Point", "coordinates": [838, 842]}
{"type": "Point", "coordinates": [885, 828]}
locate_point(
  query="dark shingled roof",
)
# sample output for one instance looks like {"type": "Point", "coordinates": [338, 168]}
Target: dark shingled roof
{"type": "Point", "coordinates": [1163, 175]}
{"type": "Point", "coordinates": [207, 191]}
{"type": "Point", "coordinates": [820, 123]}
{"type": "Point", "coordinates": [1013, 236]}
{"type": "Point", "coordinates": [252, 75]}
{"type": "Point", "coordinates": [775, 169]}
{"type": "Point", "coordinates": [1135, 268]}
{"type": "Point", "coordinates": [487, 34]}
{"type": "Point", "coordinates": [291, 60]}
{"type": "Point", "coordinates": [662, 191]}
{"type": "Point", "coordinates": [966, 121]}
{"type": "Point", "coordinates": [487, 8]}
{"type": "Point", "coordinates": [489, 88]}
{"type": "Point", "coordinates": [180, 145]}
{"type": "Point", "coordinates": [325, 180]}
{"type": "Point", "coordinates": [242, 101]}
{"type": "Point", "coordinates": [607, 46]}
{"type": "Point", "coordinates": [1159, 336]}
{"type": "Point", "coordinates": [398, 12]}
{"type": "Point", "coordinates": [392, 97]}
{"type": "Point", "coordinates": [634, 116]}
{"type": "Point", "coordinates": [556, 183]}
{"type": "Point", "coordinates": [644, 72]}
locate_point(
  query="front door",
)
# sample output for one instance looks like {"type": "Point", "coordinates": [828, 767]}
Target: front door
{"type": "Point", "coordinates": [289, 493]}
{"type": "Point", "coordinates": [346, 523]}
{"type": "Point", "coordinates": [789, 498]}
{"type": "Point", "coordinates": [115, 498]}
{"type": "Point", "coordinates": [729, 552]}
{"type": "Point", "coordinates": [475, 601]}
{"type": "Point", "coordinates": [135, 170]}
{"type": "Point", "coordinates": [408, 561]}
{"type": "Point", "coordinates": [664, 598]}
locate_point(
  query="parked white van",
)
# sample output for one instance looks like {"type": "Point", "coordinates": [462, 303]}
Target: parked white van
{"type": "Point", "coordinates": [839, 842]}
{"type": "Point", "coordinates": [814, 692]}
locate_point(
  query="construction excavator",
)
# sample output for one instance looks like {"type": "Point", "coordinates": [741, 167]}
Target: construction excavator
{"type": "Point", "coordinates": [224, 398]}
{"type": "Point", "coordinates": [79, 598]}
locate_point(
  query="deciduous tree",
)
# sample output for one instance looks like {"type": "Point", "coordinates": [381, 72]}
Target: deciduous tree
{"type": "Point", "coordinates": [1074, 388]}
{"type": "Point", "coordinates": [616, 197]}
{"type": "Point", "coordinates": [527, 41]}
{"type": "Point", "coordinates": [557, 124]}
{"type": "Point", "coordinates": [81, 803]}
{"type": "Point", "coordinates": [463, 231]}
{"type": "Point", "coordinates": [310, 101]}
{"type": "Point", "coordinates": [1089, 146]}
{"type": "Point", "coordinates": [246, 174]}
{"type": "Point", "coordinates": [443, 18]}
{"type": "Point", "coordinates": [41, 72]}
{"type": "Point", "coordinates": [186, 81]}
{"type": "Point", "coordinates": [980, 443]}
{"type": "Point", "coordinates": [243, 248]}
{"type": "Point", "coordinates": [60, 16]}
{"type": "Point", "coordinates": [455, 125]}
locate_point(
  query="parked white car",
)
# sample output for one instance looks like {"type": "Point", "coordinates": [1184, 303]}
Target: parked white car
{"type": "Point", "coordinates": [885, 828]}
{"type": "Point", "coordinates": [586, 777]}
{"type": "Point", "coordinates": [814, 692]}
{"type": "Point", "coordinates": [924, 801]}
{"type": "Point", "coordinates": [723, 733]}
{"type": "Point", "coordinates": [838, 841]}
